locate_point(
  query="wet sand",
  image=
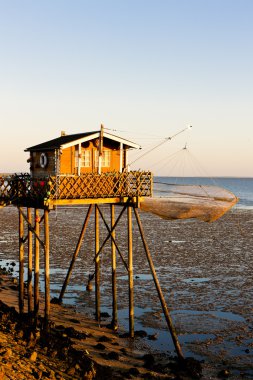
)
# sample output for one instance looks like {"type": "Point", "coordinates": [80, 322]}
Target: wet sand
{"type": "Point", "coordinates": [205, 271]}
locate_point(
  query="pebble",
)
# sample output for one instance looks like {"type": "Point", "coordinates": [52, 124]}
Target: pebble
{"type": "Point", "coordinates": [33, 356]}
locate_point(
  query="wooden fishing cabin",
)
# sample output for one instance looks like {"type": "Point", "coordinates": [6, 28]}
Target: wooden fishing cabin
{"type": "Point", "coordinates": [77, 154]}
{"type": "Point", "coordinates": [89, 168]}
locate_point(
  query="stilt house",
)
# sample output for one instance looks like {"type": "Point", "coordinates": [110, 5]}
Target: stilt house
{"type": "Point", "coordinates": [77, 154]}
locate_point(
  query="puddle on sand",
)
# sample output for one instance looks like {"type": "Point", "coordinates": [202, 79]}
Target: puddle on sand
{"type": "Point", "coordinates": [196, 280]}
{"type": "Point", "coordinates": [218, 314]}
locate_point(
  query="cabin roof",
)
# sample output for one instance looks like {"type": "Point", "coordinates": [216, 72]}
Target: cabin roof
{"type": "Point", "coordinates": [67, 141]}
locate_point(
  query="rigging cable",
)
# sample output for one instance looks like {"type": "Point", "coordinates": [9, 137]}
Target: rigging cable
{"type": "Point", "coordinates": [161, 143]}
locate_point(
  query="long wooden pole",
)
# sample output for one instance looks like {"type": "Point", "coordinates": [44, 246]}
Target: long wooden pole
{"type": "Point", "coordinates": [159, 290]}
{"type": "Point", "coordinates": [47, 268]}
{"type": "Point", "coordinates": [21, 262]}
{"type": "Point", "coordinates": [78, 246]}
{"type": "Point", "coordinates": [114, 276]}
{"type": "Point", "coordinates": [30, 261]}
{"type": "Point", "coordinates": [130, 273]}
{"type": "Point", "coordinates": [111, 235]}
{"type": "Point", "coordinates": [36, 262]}
{"type": "Point", "coordinates": [97, 265]}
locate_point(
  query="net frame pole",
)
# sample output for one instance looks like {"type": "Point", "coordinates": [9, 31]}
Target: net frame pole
{"type": "Point", "coordinates": [159, 290]}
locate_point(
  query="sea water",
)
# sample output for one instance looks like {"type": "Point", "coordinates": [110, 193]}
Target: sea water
{"type": "Point", "coordinates": [240, 187]}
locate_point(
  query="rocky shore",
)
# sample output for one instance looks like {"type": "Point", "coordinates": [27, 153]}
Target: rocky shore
{"type": "Point", "coordinates": [66, 352]}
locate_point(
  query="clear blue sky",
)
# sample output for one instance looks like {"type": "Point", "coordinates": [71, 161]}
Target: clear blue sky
{"type": "Point", "coordinates": [146, 68]}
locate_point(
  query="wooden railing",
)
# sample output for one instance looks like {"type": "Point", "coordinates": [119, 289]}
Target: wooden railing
{"type": "Point", "coordinates": [22, 187]}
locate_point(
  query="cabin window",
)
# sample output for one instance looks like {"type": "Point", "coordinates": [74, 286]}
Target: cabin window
{"type": "Point", "coordinates": [106, 158]}
{"type": "Point", "coordinates": [85, 159]}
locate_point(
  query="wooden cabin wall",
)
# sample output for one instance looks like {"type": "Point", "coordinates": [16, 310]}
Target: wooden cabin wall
{"type": "Point", "coordinates": [35, 167]}
{"type": "Point", "coordinates": [67, 164]}
{"type": "Point", "coordinates": [67, 161]}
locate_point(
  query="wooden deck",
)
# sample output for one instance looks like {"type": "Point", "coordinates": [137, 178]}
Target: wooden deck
{"type": "Point", "coordinates": [47, 192]}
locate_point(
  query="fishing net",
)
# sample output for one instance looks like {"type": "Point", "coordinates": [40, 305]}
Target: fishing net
{"type": "Point", "coordinates": [204, 202]}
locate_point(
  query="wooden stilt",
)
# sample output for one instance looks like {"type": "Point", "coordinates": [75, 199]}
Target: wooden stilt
{"type": "Point", "coordinates": [30, 261]}
{"type": "Point", "coordinates": [130, 272]}
{"type": "Point", "coordinates": [114, 278]}
{"type": "Point", "coordinates": [159, 290]}
{"type": "Point", "coordinates": [47, 269]}
{"type": "Point", "coordinates": [110, 235]}
{"type": "Point", "coordinates": [36, 262]}
{"type": "Point", "coordinates": [97, 265]}
{"type": "Point", "coordinates": [78, 246]}
{"type": "Point", "coordinates": [21, 262]}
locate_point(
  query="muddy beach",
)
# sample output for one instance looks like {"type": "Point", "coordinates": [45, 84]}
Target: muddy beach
{"type": "Point", "coordinates": [205, 271]}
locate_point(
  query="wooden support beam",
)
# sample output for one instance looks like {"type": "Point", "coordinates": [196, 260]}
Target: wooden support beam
{"type": "Point", "coordinates": [31, 227]}
{"type": "Point", "coordinates": [159, 290]}
{"type": "Point", "coordinates": [130, 272]}
{"type": "Point", "coordinates": [30, 262]}
{"type": "Point", "coordinates": [97, 265]}
{"type": "Point", "coordinates": [110, 235]}
{"type": "Point", "coordinates": [36, 262]}
{"type": "Point", "coordinates": [78, 246]}
{"type": "Point", "coordinates": [47, 267]}
{"type": "Point", "coordinates": [21, 261]}
{"type": "Point", "coordinates": [114, 276]}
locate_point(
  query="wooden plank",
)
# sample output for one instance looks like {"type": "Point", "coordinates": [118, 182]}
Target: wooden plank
{"type": "Point", "coordinates": [87, 201]}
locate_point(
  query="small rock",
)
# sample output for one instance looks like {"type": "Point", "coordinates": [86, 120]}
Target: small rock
{"type": "Point", "coordinates": [7, 353]}
{"type": "Point", "coordinates": [33, 356]}
{"type": "Point", "coordinates": [149, 361]}
{"type": "Point", "coordinates": [152, 337]}
{"type": "Point", "coordinates": [104, 338]}
{"type": "Point", "coordinates": [100, 346]}
{"type": "Point", "coordinates": [113, 355]}
{"type": "Point", "coordinates": [71, 371]}
{"type": "Point", "coordinates": [224, 373]}
{"type": "Point", "coordinates": [104, 315]}
{"type": "Point", "coordinates": [133, 371]}
{"type": "Point", "coordinates": [73, 320]}
{"type": "Point", "coordinates": [140, 334]}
